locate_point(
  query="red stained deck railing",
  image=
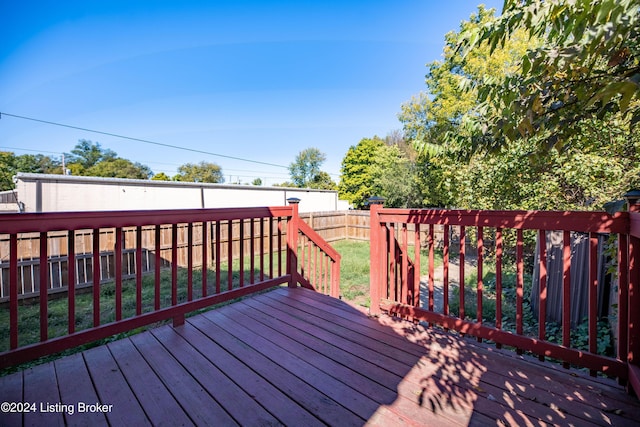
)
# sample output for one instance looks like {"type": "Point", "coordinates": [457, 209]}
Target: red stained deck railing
{"type": "Point", "coordinates": [260, 250]}
{"type": "Point", "coordinates": [396, 284]}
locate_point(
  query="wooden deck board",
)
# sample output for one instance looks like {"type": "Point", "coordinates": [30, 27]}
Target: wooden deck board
{"type": "Point", "coordinates": [157, 402]}
{"type": "Point", "coordinates": [240, 405]}
{"type": "Point", "coordinates": [310, 398]}
{"type": "Point", "coordinates": [294, 357]}
{"type": "Point", "coordinates": [75, 385]}
{"type": "Point", "coordinates": [41, 387]}
{"type": "Point", "coordinates": [111, 386]}
{"type": "Point", "coordinates": [287, 410]}
{"type": "Point", "coordinates": [11, 391]}
{"type": "Point", "coordinates": [196, 402]}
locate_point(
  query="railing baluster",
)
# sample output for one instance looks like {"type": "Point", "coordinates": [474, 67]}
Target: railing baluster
{"type": "Point", "coordinates": [633, 319]}
{"type": "Point", "coordinates": [519, 282]}
{"type": "Point", "coordinates": [315, 265]}
{"type": "Point", "coordinates": [593, 295]}
{"type": "Point", "coordinates": [252, 250]}
{"type": "Point", "coordinates": [309, 259]}
{"type": "Point", "coordinates": [13, 291]}
{"type": "Point", "coordinates": [480, 282]}
{"type": "Point", "coordinates": [271, 248]}
{"type": "Point", "coordinates": [463, 244]}
{"type": "Point", "coordinates": [218, 256]}
{"type": "Point", "coordinates": [96, 277]}
{"type": "Point", "coordinates": [138, 269]}
{"type": "Point", "coordinates": [623, 296]}
{"type": "Point", "coordinates": [415, 297]}
{"type": "Point", "coordinates": [327, 273]}
{"type": "Point", "coordinates": [205, 256]}
{"type": "Point", "coordinates": [392, 261]}
{"type": "Point", "coordinates": [44, 286]}
{"type": "Point", "coordinates": [262, 249]}
{"type": "Point", "coordinates": [71, 292]}
{"type": "Point", "coordinates": [241, 260]}
{"type": "Point", "coordinates": [279, 246]}
{"type": "Point", "coordinates": [542, 305]}
{"type": "Point", "coordinates": [431, 246]}
{"type": "Point", "coordinates": [190, 261]}
{"type": "Point", "coordinates": [404, 284]}
{"type": "Point", "coordinates": [566, 291]}
{"type": "Point", "coordinates": [445, 271]}
{"type": "Point", "coordinates": [174, 264]}
{"type": "Point", "coordinates": [498, 282]}
{"type": "Point", "coordinates": [303, 248]}
{"type": "Point", "coordinates": [118, 272]}
{"type": "Point", "coordinates": [158, 262]}
{"type": "Point", "coordinates": [229, 255]}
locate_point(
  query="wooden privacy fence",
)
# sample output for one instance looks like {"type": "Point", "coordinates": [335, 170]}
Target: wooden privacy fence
{"type": "Point", "coordinates": [395, 283]}
{"type": "Point", "coordinates": [238, 252]}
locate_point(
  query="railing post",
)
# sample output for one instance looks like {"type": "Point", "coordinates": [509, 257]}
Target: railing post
{"type": "Point", "coordinates": [292, 242]}
{"type": "Point", "coordinates": [633, 348]}
{"type": "Point", "coordinates": [335, 279]}
{"type": "Point", "coordinates": [375, 250]}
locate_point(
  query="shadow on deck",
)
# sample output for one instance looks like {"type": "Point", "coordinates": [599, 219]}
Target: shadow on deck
{"type": "Point", "coordinates": [296, 357]}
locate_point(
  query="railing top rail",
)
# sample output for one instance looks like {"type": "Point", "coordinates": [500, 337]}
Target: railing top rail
{"type": "Point", "coordinates": [53, 221]}
{"type": "Point", "coordinates": [596, 222]}
{"type": "Point", "coordinates": [318, 240]}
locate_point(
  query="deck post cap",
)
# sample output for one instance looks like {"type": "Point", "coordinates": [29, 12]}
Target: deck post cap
{"type": "Point", "coordinates": [376, 200]}
{"type": "Point", "coordinates": [632, 196]}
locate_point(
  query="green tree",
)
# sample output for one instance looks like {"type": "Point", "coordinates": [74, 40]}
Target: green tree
{"type": "Point", "coordinates": [38, 163]}
{"type": "Point", "coordinates": [286, 184]}
{"type": "Point", "coordinates": [201, 172]}
{"type": "Point", "coordinates": [7, 170]}
{"type": "Point", "coordinates": [119, 168]}
{"type": "Point", "coordinates": [257, 182]}
{"type": "Point", "coordinates": [161, 176]}
{"type": "Point", "coordinates": [87, 154]}
{"type": "Point", "coordinates": [462, 166]}
{"type": "Point", "coordinates": [441, 115]}
{"type": "Point", "coordinates": [356, 175]}
{"type": "Point", "coordinates": [305, 170]}
{"type": "Point", "coordinates": [322, 181]}
{"type": "Point", "coordinates": [587, 66]}
{"type": "Point", "coordinates": [10, 165]}
{"type": "Point", "coordinates": [394, 178]}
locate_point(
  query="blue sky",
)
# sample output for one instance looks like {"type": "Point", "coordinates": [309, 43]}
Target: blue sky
{"type": "Point", "coordinates": [256, 80]}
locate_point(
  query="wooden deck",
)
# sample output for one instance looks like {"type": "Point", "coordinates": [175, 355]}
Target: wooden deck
{"type": "Point", "coordinates": [295, 357]}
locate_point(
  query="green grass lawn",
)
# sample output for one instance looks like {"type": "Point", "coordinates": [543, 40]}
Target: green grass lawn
{"type": "Point", "coordinates": [354, 269]}
{"type": "Point", "coordinates": [57, 309]}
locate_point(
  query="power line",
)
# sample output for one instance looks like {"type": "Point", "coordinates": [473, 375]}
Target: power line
{"type": "Point", "coordinates": [33, 151]}
{"type": "Point", "coordinates": [267, 175]}
{"type": "Point", "coordinates": [142, 140]}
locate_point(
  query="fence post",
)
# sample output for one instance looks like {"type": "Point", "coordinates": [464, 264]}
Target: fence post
{"type": "Point", "coordinates": [292, 242]}
{"type": "Point", "coordinates": [375, 254]}
{"type": "Point", "coordinates": [633, 348]}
